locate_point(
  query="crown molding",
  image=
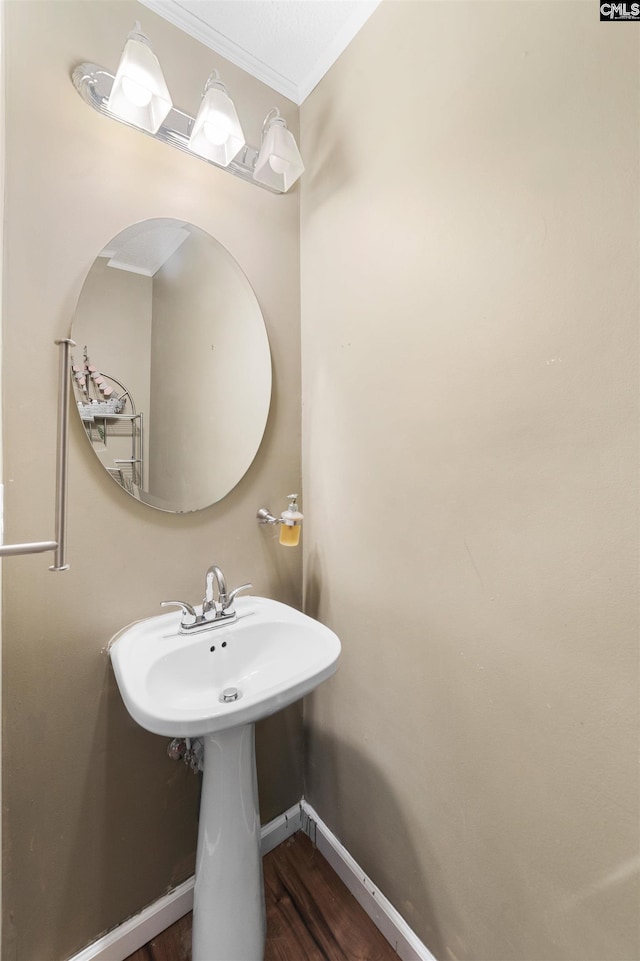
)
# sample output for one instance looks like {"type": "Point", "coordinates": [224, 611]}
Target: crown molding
{"type": "Point", "coordinates": [210, 37]}
{"type": "Point", "coordinates": [297, 92]}
{"type": "Point", "coordinates": [337, 46]}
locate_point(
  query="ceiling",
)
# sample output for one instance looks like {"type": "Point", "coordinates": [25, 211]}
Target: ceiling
{"type": "Point", "coordinates": [145, 247]}
{"type": "Point", "coordinates": [288, 44]}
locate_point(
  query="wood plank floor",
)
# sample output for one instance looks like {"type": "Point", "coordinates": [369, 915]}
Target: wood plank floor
{"type": "Point", "coordinates": [311, 915]}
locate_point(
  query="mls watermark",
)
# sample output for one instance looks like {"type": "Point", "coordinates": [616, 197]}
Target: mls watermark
{"type": "Point", "coordinates": [620, 11]}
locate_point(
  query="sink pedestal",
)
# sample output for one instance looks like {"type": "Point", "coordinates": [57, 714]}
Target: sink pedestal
{"type": "Point", "coordinates": [272, 655]}
{"type": "Point", "coordinates": [228, 910]}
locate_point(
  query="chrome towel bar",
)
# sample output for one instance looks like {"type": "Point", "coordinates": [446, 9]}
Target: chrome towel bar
{"type": "Point", "coordinates": [60, 543]}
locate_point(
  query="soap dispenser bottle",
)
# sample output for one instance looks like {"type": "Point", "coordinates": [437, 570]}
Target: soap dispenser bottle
{"type": "Point", "coordinates": [290, 522]}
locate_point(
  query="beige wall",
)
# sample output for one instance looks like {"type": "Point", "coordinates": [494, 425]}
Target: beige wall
{"type": "Point", "coordinates": [469, 275]}
{"type": "Point", "coordinates": [2, 143]}
{"type": "Point", "coordinates": [97, 821]}
{"type": "Point", "coordinates": [469, 324]}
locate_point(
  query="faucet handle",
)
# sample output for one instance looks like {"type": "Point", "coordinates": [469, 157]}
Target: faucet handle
{"type": "Point", "coordinates": [187, 612]}
{"type": "Point", "coordinates": [231, 596]}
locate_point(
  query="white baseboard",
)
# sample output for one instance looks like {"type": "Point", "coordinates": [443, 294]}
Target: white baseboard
{"type": "Point", "coordinates": [281, 828]}
{"type": "Point", "coordinates": [403, 940]}
{"type": "Point", "coordinates": [122, 941]}
{"type": "Point", "coordinates": [131, 935]}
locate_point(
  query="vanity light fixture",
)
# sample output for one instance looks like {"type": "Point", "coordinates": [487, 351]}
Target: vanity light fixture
{"type": "Point", "coordinates": [217, 134]}
{"type": "Point", "coordinates": [279, 163]}
{"type": "Point", "coordinates": [137, 95]}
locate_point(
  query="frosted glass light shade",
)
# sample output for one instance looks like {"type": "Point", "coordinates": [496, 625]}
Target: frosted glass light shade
{"type": "Point", "coordinates": [139, 94]}
{"type": "Point", "coordinates": [217, 134]}
{"type": "Point", "coordinates": [279, 163]}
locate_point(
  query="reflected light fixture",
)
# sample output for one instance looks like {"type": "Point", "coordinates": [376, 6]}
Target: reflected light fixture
{"type": "Point", "coordinates": [279, 163]}
{"type": "Point", "coordinates": [138, 96]}
{"type": "Point", "coordinates": [217, 134]}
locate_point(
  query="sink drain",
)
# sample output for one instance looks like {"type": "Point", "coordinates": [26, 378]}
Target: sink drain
{"type": "Point", "coordinates": [230, 694]}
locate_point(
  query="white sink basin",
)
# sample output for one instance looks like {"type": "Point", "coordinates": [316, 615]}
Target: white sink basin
{"type": "Point", "coordinates": [172, 683]}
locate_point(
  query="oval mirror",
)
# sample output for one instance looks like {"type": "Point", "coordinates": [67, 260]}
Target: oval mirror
{"type": "Point", "coordinates": [172, 373]}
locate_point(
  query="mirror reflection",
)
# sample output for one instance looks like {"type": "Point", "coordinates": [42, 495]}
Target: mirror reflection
{"type": "Point", "coordinates": [172, 373]}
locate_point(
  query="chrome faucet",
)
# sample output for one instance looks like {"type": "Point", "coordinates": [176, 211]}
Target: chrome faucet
{"type": "Point", "coordinates": [208, 603]}
{"type": "Point", "coordinates": [189, 618]}
{"type": "Point", "coordinates": [214, 612]}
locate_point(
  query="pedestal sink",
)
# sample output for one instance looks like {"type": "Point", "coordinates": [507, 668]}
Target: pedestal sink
{"type": "Point", "coordinates": [215, 685]}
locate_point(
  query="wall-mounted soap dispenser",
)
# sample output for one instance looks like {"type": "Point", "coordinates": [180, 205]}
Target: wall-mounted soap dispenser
{"type": "Point", "coordinates": [290, 521]}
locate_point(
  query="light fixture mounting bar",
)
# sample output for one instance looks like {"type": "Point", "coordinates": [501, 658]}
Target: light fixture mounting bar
{"type": "Point", "coordinates": [94, 84]}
